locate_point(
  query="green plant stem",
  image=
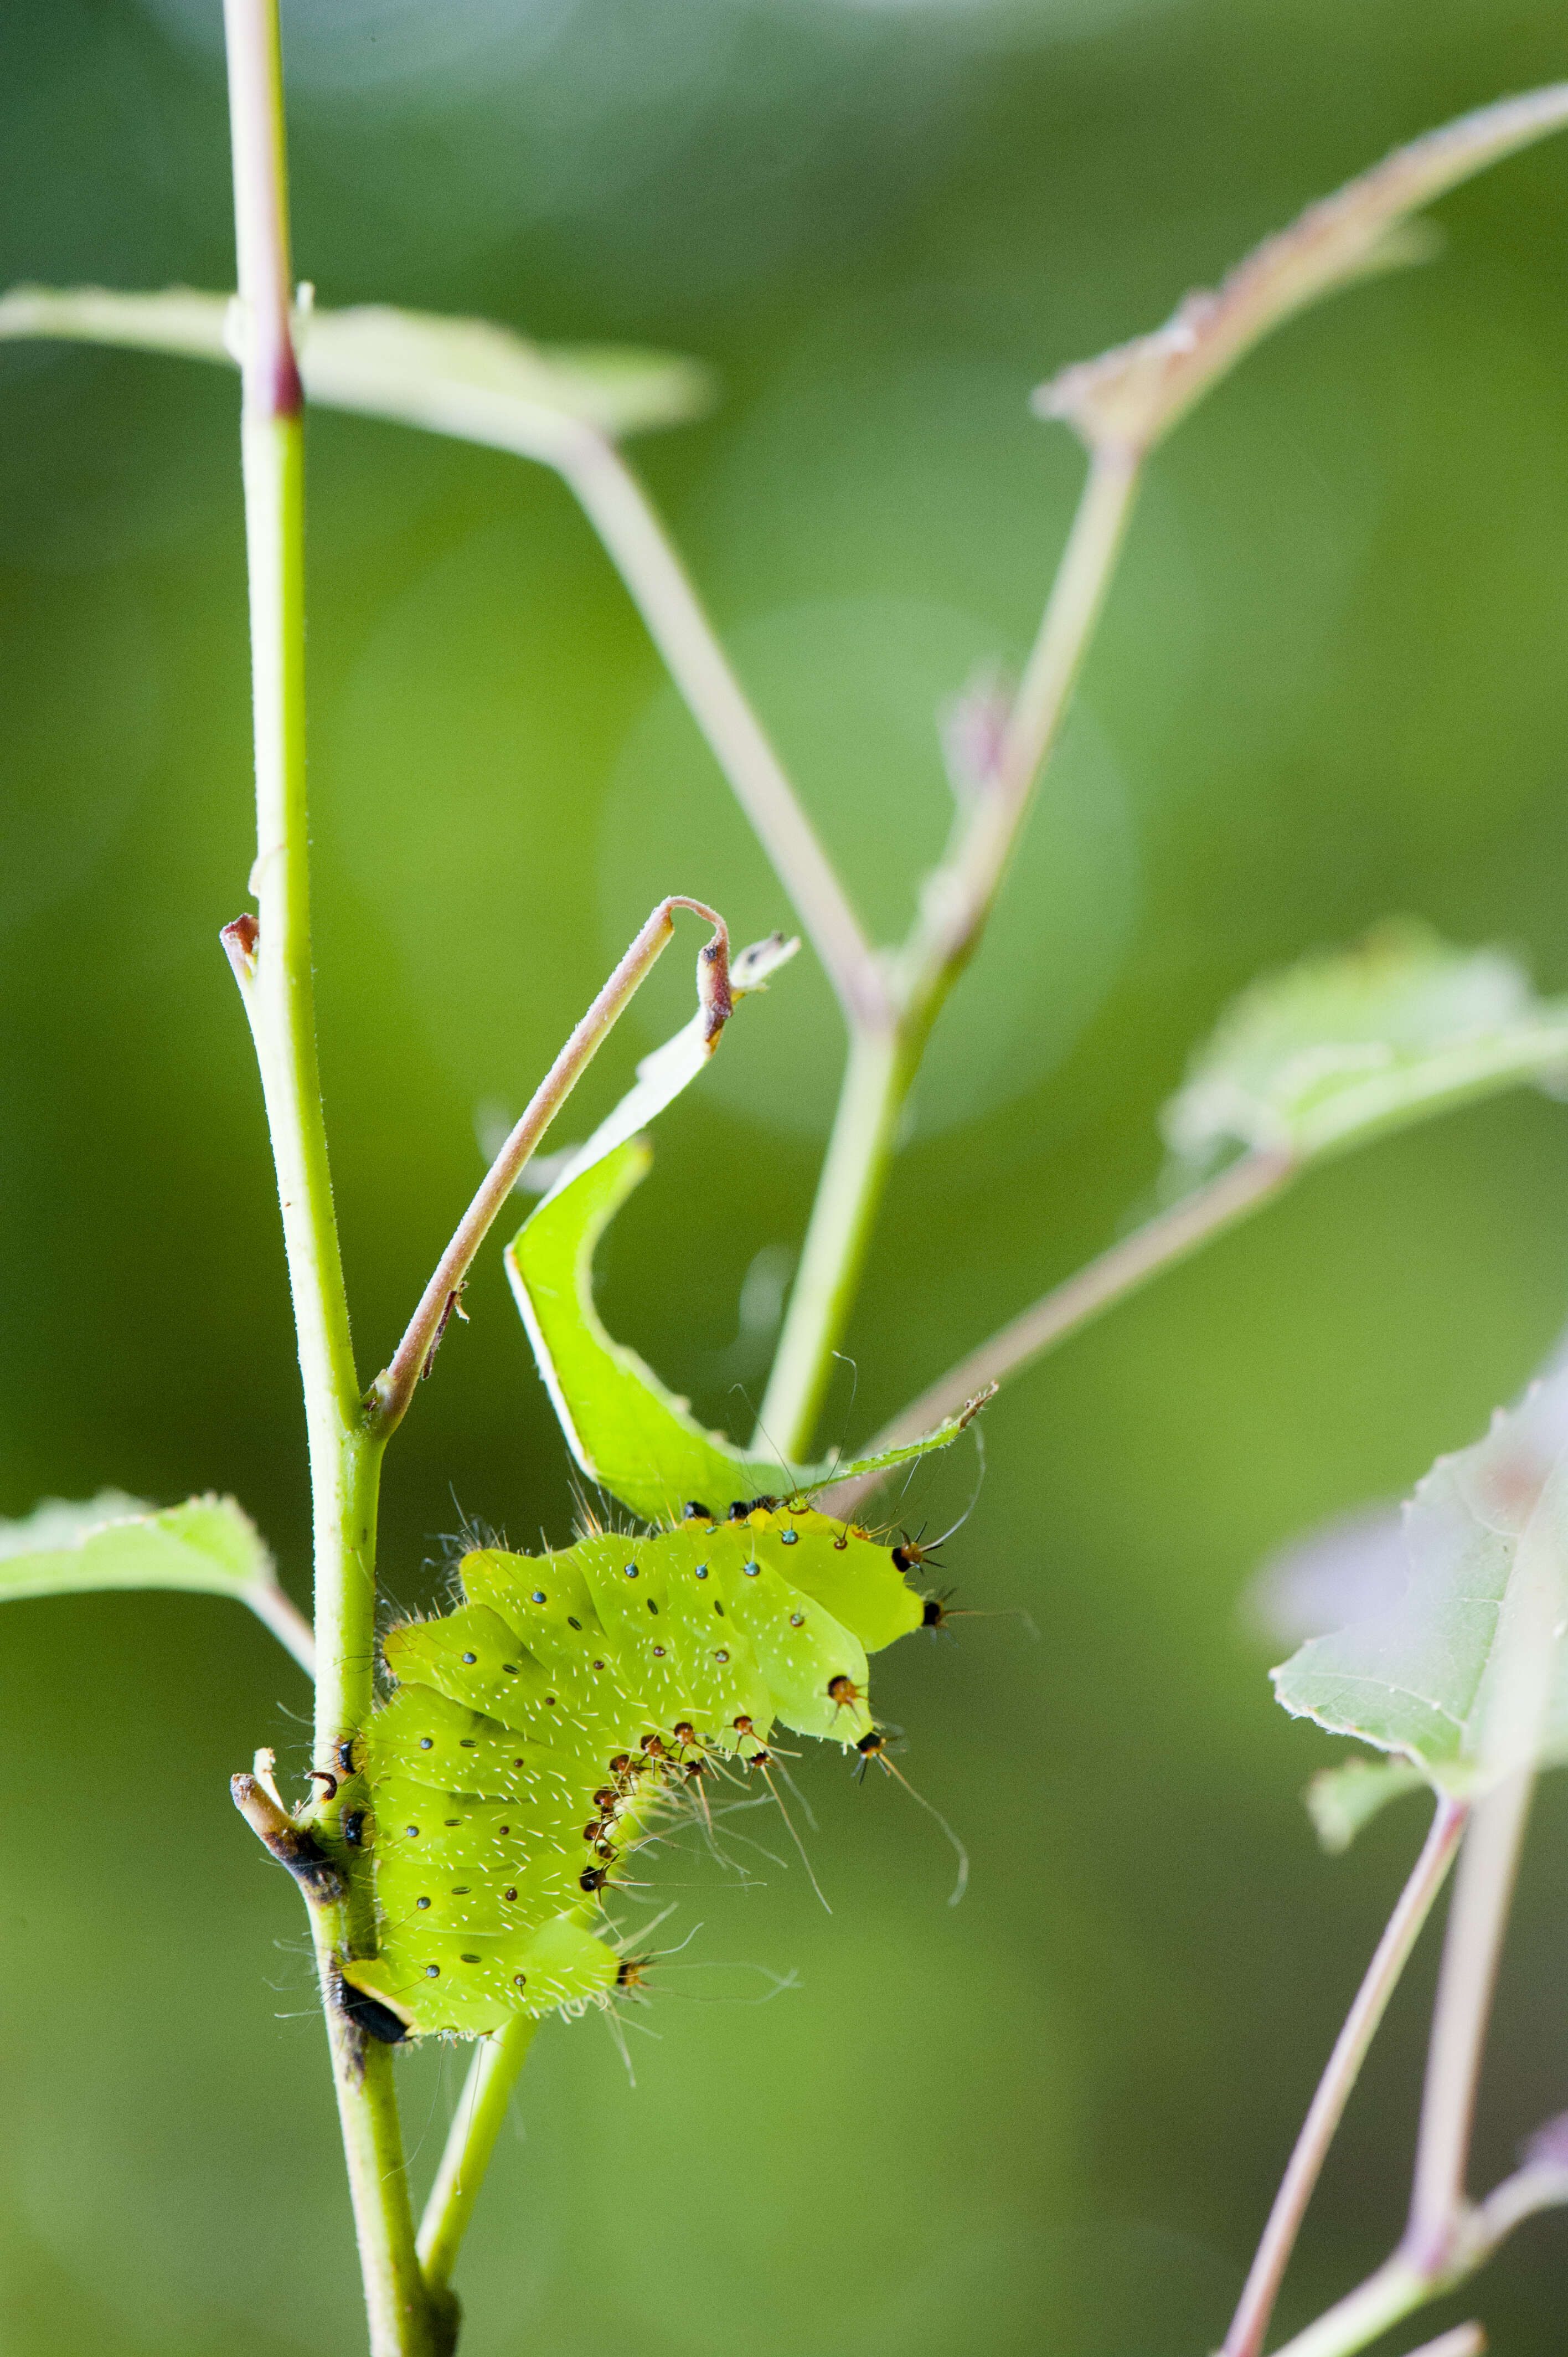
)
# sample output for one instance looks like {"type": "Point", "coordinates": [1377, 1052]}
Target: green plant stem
{"type": "Point", "coordinates": [886, 1046]}
{"type": "Point", "coordinates": [849, 1195]}
{"type": "Point", "coordinates": [1250, 2321]}
{"type": "Point", "coordinates": [481, 2109]}
{"type": "Point", "coordinates": [272, 961]}
{"type": "Point", "coordinates": [397, 2303]}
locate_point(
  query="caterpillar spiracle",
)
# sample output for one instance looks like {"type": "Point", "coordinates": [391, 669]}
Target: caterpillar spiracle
{"type": "Point", "coordinates": [538, 1731]}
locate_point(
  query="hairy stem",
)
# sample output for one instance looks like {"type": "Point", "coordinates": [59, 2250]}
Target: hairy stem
{"type": "Point", "coordinates": [1160, 1243]}
{"type": "Point", "coordinates": [1250, 2321]}
{"type": "Point", "coordinates": [475, 2124]}
{"type": "Point", "coordinates": [271, 957]}
{"type": "Point", "coordinates": [397, 2301]}
{"type": "Point", "coordinates": [393, 1388]}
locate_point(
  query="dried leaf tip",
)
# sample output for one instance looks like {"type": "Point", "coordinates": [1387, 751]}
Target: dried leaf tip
{"type": "Point", "coordinates": [290, 1844]}
{"type": "Point", "coordinates": [240, 939]}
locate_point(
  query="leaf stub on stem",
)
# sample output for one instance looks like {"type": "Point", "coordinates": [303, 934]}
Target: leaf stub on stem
{"type": "Point", "coordinates": [293, 1845]}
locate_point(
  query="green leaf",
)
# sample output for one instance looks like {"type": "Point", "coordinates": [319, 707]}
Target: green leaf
{"type": "Point", "coordinates": [1341, 1801]}
{"type": "Point", "coordinates": [1466, 1676]}
{"type": "Point", "coordinates": [208, 1547]}
{"type": "Point", "coordinates": [464, 377]}
{"type": "Point", "coordinates": [1352, 1043]}
{"type": "Point", "coordinates": [624, 1428]}
{"type": "Point", "coordinates": [1127, 399]}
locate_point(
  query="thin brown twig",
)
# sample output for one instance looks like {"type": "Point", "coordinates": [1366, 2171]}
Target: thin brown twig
{"type": "Point", "coordinates": [1250, 2321]}
{"type": "Point", "coordinates": [393, 1388]}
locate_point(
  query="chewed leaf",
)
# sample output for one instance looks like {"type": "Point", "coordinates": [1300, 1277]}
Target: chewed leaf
{"type": "Point", "coordinates": [625, 1429]}
{"type": "Point", "coordinates": [1467, 1675]}
{"type": "Point", "coordinates": [1342, 1801]}
{"type": "Point", "coordinates": [208, 1547]}
{"type": "Point", "coordinates": [1128, 398]}
{"type": "Point", "coordinates": [469, 378]}
{"type": "Point", "coordinates": [1352, 1043]}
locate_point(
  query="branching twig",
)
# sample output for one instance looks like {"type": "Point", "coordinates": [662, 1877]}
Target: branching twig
{"type": "Point", "coordinates": [392, 1391]}
{"type": "Point", "coordinates": [1448, 2237]}
{"type": "Point", "coordinates": [1250, 2321]}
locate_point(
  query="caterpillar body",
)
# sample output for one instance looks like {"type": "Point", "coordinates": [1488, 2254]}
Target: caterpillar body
{"type": "Point", "coordinates": [538, 1730]}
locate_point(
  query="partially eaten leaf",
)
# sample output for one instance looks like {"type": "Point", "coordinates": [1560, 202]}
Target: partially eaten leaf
{"type": "Point", "coordinates": [626, 1430]}
{"type": "Point", "coordinates": [1352, 1043]}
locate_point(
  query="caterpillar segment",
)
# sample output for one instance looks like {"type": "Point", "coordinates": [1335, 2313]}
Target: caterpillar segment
{"type": "Point", "coordinates": [538, 1733]}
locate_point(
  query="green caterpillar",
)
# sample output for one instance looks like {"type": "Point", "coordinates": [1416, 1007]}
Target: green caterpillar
{"type": "Point", "coordinates": [539, 1730]}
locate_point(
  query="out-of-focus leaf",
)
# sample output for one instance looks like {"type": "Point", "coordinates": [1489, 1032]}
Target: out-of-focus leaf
{"type": "Point", "coordinates": [209, 1546]}
{"type": "Point", "coordinates": [1341, 1801]}
{"type": "Point", "coordinates": [625, 1429]}
{"type": "Point", "coordinates": [1466, 1676]}
{"type": "Point", "coordinates": [464, 377]}
{"type": "Point", "coordinates": [1352, 1043]}
{"type": "Point", "coordinates": [1128, 398]}
{"type": "Point", "coordinates": [1349, 1567]}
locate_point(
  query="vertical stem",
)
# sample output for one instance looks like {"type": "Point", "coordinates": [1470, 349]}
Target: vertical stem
{"type": "Point", "coordinates": [848, 1194]}
{"type": "Point", "coordinates": [397, 2302]}
{"type": "Point", "coordinates": [475, 2124]}
{"type": "Point", "coordinates": [276, 979]}
{"type": "Point", "coordinates": [1250, 2321]}
{"type": "Point", "coordinates": [271, 957]}
{"type": "Point", "coordinates": [1477, 1921]}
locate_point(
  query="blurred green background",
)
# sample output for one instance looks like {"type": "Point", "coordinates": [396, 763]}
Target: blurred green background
{"type": "Point", "coordinates": [1330, 685]}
